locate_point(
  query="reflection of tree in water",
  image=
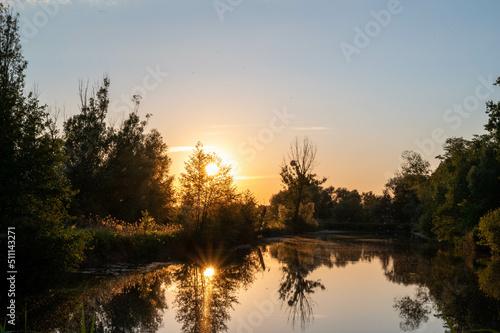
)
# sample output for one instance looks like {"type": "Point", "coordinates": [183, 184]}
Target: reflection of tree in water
{"type": "Point", "coordinates": [454, 287]}
{"type": "Point", "coordinates": [295, 290]}
{"type": "Point", "coordinates": [489, 279]}
{"type": "Point", "coordinates": [414, 311]}
{"type": "Point", "coordinates": [137, 308]}
{"type": "Point", "coordinates": [300, 257]}
{"type": "Point", "coordinates": [204, 302]}
{"type": "Point", "coordinates": [132, 302]}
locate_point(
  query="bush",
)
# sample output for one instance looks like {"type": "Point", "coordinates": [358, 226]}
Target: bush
{"type": "Point", "coordinates": [48, 253]}
{"type": "Point", "coordinates": [489, 230]}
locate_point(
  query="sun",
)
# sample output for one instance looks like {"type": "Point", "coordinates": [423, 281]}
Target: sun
{"type": "Point", "coordinates": [209, 272]}
{"type": "Point", "coordinates": [212, 169]}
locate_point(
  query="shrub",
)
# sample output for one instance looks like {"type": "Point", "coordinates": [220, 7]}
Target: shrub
{"type": "Point", "coordinates": [489, 230]}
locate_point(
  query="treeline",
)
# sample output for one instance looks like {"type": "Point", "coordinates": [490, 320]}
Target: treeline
{"type": "Point", "coordinates": [459, 202]}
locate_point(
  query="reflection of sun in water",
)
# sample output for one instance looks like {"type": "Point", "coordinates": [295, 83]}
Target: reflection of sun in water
{"type": "Point", "coordinates": [212, 169]}
{"type": "Point", "coordinates": [209, 272]}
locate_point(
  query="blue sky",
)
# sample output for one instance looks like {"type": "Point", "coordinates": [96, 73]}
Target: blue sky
{"type": "Point", "coordinates": [419, 69]}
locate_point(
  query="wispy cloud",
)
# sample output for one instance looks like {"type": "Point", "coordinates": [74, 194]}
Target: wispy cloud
{"type": "Point", "coordinates": [311, 128]}
{"type": "Point", "coordinates": [255, 177]}
{"type": "Point", "coordinates": [214, 133]}
{"type": "Point", "coordinates": [233, 126]}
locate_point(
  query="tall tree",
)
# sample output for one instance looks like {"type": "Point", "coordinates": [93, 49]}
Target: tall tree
{"type": "Point", "coordinates": [298, 179]}
{"type": "Point", "coordinates": [493, 110]}
{"type": "Point", "coordinates": [347, 206]}
{"type": "Point", "coordinates": [464, 187]}
{"type": "Point", "coordinates": [202, 192]}
{"type": "Point", "coordinates": [137, 172]}
{"type": "Point", "coordinates": [34, 192]}
{"type": "Point", "coordinates": [87, 142]}
{"type": "Point", "coordinates": [404, 186]}
{"type": "Point", "coordinates": [119, 172]}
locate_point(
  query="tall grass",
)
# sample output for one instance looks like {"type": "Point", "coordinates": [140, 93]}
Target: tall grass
{"type": "Point", "coordinates": [83, 321]}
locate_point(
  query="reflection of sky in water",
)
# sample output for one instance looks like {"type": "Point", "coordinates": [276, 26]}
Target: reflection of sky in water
{"type": "Point", "coordinates": [337, 284]}
{"type": "Point", "coordinates": [356, 298]}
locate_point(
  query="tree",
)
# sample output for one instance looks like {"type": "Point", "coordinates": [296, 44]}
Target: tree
{"type": "Point", "coordinates": [298, 179]}
{"type": "Point", "coordinates": [34, 191]}
{"type": "Point", "coordinates": [464, 187]}
{"type": "Point", "coordinates": [202, 193]}
{"type": "Point", "coordinates": [404, 186]}
{"type": "Point", "coordinates": [489, 229]}
{"type": "Point", "coordinates": [119, 172]}
{"type": "Point", "coordinates": [137, 172]}
{"type": "Point", "coordinates": [493, 110]}
{"type": "Point", "coordinates": [377, 208]}
{"type": "Point", "coordinates": [347, 206]}
{"type": "Point", "coordinates": [87, 142]}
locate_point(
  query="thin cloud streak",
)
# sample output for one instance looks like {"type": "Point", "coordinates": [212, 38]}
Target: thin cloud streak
{"type": "Point", "coordinates": [311, 128]}
{"type": "Point", "coordinates": [234, 126]}
{"type": "Point", "coordinates": [255, 177]}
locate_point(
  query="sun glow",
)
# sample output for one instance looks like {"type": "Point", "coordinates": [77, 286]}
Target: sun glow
{"type": "Point", "coordinates": [212, 169]}
{"type": "Point", "coordinates": [209, 272]}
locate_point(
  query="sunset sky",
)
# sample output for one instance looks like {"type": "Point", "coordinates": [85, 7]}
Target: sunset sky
{"type": "Point", "coordinates": [365, 80]}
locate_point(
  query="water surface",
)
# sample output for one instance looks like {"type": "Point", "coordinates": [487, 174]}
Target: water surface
{"type": "Point", "coordinates": [319, 283]}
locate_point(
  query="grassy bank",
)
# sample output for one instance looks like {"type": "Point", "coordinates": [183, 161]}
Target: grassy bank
{"type": "Point", "coordinates": [367, 226]}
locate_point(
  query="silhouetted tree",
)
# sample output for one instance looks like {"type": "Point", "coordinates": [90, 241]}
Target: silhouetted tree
{"type": "Point", "coordinates": [493, 125]}
{"type": "Point", "coordinates": [201, 193]}
{"type": "Point", "coordinates": [404, 186]}
{"type": "Point", "coordinates": [137, 172]}
{"type": "Point", "coordinates": [34, 192]}
{"type": "Point", "coordinates": [298, 179]}
{"type": "Point", "coordinates": [119, 172]}
{"type": "Point", "coordinates": [347, 206]}
{"type": "Point", "coordinates": [87, 143]}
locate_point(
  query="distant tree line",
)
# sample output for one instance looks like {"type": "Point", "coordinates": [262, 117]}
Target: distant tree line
{"type": "Point", "coordinates": [459, 202]}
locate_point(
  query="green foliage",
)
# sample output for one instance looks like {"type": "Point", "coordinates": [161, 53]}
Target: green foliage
{"type": "Point", "coordinates": [405, 185]}
{"type": "Point", "coordinates": [86, 144]}
{"type": "Point", "coordinates": [347, 206]}
{"type": "Point", "coordinates": [493, 110]}
{"type": "Point", "coordinates": [137, 173]}
{"type": "Point", "coordinates": [203, 194]}
{"type": "Point", "coordinates": [34, 191]}
{"type": "Point", "coordinates": [109, 246]}
{"type": "Point", "coordinates": [376, 208]}
{"type": "Point", "coordinates": [83, 322]}
{"type": "Point", "coordinates": [118, 172]}
{"type": "Point", "coordinates": [489, 230]}
{"type": "Point", "coordinates": [146, 222]}
{"type": "Point", "coordinates": [464, 187]}
{"type": "Point", "coordinates": [299, 181]}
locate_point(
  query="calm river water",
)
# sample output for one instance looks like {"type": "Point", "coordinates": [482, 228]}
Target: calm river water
{"type": "Point", "coordinates": [319, 283]}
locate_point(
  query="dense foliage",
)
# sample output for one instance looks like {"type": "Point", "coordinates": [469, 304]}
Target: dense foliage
{"type": "Point", "coordinates": [34, 190]}
{"type": "Point", "coordinates": [211, 209]}
{"type": "Point", "coordinates": [119, 172]}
